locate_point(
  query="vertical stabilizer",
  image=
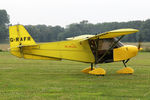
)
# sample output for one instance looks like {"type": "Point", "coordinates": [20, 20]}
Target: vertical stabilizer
{"type": "Point", "coordinates": [18, 37]}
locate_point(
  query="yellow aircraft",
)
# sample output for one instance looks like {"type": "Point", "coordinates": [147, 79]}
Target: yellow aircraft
{"type": "Point", "coordinates": [93, 49]}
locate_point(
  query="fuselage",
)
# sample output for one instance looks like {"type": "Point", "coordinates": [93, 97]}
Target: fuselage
{"type": "Point", "coordinates": [77, 50]}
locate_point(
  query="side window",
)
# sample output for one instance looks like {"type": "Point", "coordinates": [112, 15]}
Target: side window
{"type": "Point", "coordinates": [105, 44]}
{"type": "Point", "coordinates": [119, 44]}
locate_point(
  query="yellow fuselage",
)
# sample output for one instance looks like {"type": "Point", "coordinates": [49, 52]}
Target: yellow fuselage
{"type": "Point", "coordinates": [71, 50]}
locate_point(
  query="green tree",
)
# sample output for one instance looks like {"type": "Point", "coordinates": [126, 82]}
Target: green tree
{"type": "Point", "coordinates": [4, 21]}
{"type": "Point", "coordinates": [145, 31]}
{"type": "Point", "coordinates": [4, 17]}
{"type": "Point", "coordinates": [43, 33]}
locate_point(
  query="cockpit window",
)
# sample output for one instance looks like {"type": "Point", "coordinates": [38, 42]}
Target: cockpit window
{"type": "Point", "coordinates": [100, 46]}
{"type": "Point", "coordinates": [105, 44]}
{"type": "Point", "coordinates": [119, 44]}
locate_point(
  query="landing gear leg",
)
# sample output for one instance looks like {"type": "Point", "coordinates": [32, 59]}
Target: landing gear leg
{"type": "Point", "coordinates": [91, 66]}
{"type": "Point", "coordinates": [124, 62]}
{"type": "Point", "coordinates": [86, 70]}
{"type": "Point", "coordinates": [126, 70]}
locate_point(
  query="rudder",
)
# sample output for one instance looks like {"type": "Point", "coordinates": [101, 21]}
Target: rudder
{"type": "Point", "coordinates": [18, 37]}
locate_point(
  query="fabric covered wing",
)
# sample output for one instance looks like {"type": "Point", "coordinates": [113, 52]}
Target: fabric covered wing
{"type": "Point", "coordinates": [114, 33]}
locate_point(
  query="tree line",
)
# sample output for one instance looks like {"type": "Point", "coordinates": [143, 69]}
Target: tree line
{"type": "Point", "coordinates": [48, 33]}
{"type": "Point", "coordinates": [4, 21]}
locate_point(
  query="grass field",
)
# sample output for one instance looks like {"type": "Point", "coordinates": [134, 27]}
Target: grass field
{"type": "Point", "coordinates": [62, 80]}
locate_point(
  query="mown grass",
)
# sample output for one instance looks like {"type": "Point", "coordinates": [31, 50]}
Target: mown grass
{"type": "Point", "coordinates": [62, 80]}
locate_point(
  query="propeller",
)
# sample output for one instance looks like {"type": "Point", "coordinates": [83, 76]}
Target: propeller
{"type": "Point", "coordinates": [139, 43]}
{"type": "Point", "coordinates": [138, 47]}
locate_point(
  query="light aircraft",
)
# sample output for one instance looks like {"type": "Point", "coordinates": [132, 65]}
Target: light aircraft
{"type": "Point", "coordinates": [92, 49]}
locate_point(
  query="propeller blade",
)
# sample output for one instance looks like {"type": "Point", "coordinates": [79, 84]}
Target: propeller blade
{"type": "Point", "coordinates": [139, 43]}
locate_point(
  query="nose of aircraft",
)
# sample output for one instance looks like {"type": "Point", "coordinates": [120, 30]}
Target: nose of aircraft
{"type": "Point", "coordinates": [140, 49]}
{"type": "Point", "coordinates": [125, 52]}
{"type": "Point", "coordinates": [132, 51]}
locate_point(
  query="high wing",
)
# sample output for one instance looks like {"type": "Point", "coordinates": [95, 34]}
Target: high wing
{"type": "Point", "coordinates": [80, 37]}
{"type": "Point", "coordinates": [114, 33]}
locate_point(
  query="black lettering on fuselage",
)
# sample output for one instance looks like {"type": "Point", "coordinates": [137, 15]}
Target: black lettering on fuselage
{"type": "Point", "coordinates": [17, 39]}
{"type": "Point", "coordinates": [29, 39]}
{"type": "Point", "coordinates": [21, 39]}
{"type": "Point", "coordinates": [25, 38]}
{"type": "Point", "coordinates": [11, 39]}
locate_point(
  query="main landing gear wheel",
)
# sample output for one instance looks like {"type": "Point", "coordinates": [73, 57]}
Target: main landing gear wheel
{"type": "Point", "coordinates": [94, 71]}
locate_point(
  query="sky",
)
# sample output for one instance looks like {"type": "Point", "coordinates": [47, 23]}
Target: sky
{"type": "Point", "coordinates": [65, 12]}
